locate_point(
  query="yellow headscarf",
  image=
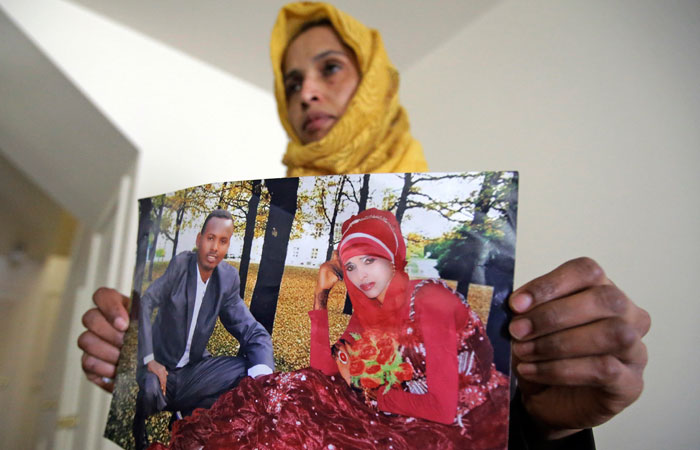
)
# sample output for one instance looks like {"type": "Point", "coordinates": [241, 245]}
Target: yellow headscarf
{"type": "Point", "coordinates": [373, 135]}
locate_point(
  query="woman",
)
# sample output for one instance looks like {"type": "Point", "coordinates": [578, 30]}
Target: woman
{"type": "Point", "coordinates": [337, 96]}
{"type": "Point", "coordinates": [420, 349]}
{"type": "Point", "coordinates": [353, 144]}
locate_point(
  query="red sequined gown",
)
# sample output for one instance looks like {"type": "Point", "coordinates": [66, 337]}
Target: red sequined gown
{"type": "Point", "coordinates": [451, 398]}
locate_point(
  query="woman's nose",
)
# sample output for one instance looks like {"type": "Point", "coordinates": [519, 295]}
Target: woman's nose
{"type": "Point", "coordinates": [310, 90]}
{"type": "Point", "coordinates": [363, 274]}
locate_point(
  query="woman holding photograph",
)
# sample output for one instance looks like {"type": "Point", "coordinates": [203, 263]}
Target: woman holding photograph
{"type": "Point", "coordinates": [337, 99]}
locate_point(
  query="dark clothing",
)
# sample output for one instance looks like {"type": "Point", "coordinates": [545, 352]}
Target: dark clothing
{"type": "Point", "coordinates": [197, 384]}
{"type": "Point", "coordinates": [522, 437]}
{"type": "Point", "coordinates": [174, 296]}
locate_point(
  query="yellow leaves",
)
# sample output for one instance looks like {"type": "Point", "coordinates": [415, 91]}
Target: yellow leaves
{"type": "Point", "coordinates": [292, 329]}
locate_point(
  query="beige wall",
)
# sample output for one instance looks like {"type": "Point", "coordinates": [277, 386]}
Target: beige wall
{"type": "Point", "coordinates": [597, 104]}
{"type": "Point", "coordinates": [31, 302]}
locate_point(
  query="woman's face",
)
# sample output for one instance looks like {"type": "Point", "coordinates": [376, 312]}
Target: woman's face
{"type": "Point", "coordinates": [371, 274]}
{"type": "Point", "coordinates": [320, 78]}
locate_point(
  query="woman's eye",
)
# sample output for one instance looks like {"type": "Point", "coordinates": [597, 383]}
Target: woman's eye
{"type": "Point", "coordinates": [330, 68]}
{"type": "Point", "coordinates": [369, 260]}
{"type": "Point", "coordinates": [292, 87]}
{"type": "Point", "coordinates": [349, 267]}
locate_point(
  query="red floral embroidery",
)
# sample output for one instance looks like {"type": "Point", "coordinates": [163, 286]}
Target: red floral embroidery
{"type": "Point", "coordinates": [357, 366]}
{"type": "Point", "coordinates": [369, 383]}
{"type": "Point", "coordinates": [368, 352]}
{"type": "Point", "coordinates": [405, 373]}
{"type": "Point", "coordinates": [384, 355]}
{"type": "Point", "coordinates": [373, 369]}
{"type": "Point", "coordinates": [376, 361]}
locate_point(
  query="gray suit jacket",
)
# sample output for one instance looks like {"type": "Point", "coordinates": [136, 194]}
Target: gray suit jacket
{"type": "Point", "coordinates": [174, 296]}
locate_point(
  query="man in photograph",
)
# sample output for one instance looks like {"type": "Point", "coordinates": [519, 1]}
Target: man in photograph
{"type": "Point", "coordinates": [175, 370]}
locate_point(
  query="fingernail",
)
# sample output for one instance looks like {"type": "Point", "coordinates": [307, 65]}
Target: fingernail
{"type": "Point", "coordinates": [521, 302]}
{"type": "Point", "coordinates": [526, 369]}
{"type": "Point", "coordinates": [120, 324]}
{"type": "Point", "coordinates": [523, 348]}
{"type": "Point", "coordinates": [520, 328]}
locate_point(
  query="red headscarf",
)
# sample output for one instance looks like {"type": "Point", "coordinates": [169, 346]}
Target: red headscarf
{"type": "Point", "coordinates": [377, 233]}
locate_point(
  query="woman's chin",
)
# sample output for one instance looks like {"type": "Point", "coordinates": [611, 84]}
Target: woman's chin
{"type": "Point", "coordinates": [309, 137]}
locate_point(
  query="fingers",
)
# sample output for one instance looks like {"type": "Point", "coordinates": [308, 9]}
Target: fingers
{"type": "Point", "coordinates": [577, 346]}
{"type": "Point", "coordinates": [581, 392]}
{"type": "Point", "coordinates": [97, 324]}
{"type": "Point", "coordinates": [105, 383]}
{"type": "Point", "coordinates": [613, 336]}
{"type": "Point", "coordinates": [96, 367]}
{"type": "Point", "coordinates": [112, 305]}
{"type": "Point", "coordinates": [604, 371]}
{"type": "Point", "coordinates": [335, 257]}
{"type": "Point", "coordinates": [94, 346]}
{"type": "Point", "coordinates": [104, 336]}
{"type": "Point", "coordinates": [642, 320]}
{"type": "Point", "coordinates": [163, 377]}
{"type": "Point", "coordinates": [569, 278]}
{"type": "Point", "coordinates": [595, 303]}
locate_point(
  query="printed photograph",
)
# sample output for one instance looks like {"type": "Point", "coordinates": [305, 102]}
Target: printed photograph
{"type": "Point", "coordinates": [334, 312]}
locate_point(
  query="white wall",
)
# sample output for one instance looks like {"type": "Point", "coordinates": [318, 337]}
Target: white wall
{"type": "Point", "coordinates": [598, 105]}
{"type": "Point", "coordinates": [179, 112]}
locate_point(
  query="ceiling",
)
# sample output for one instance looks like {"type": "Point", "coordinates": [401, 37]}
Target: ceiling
{"type": "Point", "coordinates": [234, 35]}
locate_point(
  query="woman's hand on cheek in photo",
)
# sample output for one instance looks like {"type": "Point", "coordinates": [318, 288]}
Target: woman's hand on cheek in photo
{"type": "Point", "coordinates": [577, 348]}
{"type": "Point", "coordinates": [329, 274]}
{"type": "Point", "coordinates": [104, 337]}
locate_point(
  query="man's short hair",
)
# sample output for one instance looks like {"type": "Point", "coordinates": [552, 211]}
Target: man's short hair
{"type": "Point", "coordinates": [219, 214]}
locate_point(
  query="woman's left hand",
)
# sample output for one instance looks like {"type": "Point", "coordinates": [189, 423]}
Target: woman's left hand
{"type": "Point", "coordinates": [577, 348]}
{"type": "Point", "coordinates": [329, 274]}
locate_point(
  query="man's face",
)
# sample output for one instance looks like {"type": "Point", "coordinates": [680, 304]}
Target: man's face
{"type": "Point", "coordinates": [212, 246]}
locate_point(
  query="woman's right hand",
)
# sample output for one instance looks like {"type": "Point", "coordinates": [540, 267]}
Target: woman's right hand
{"type": "Point", "coordinates": [329, 274]}
{"type": "Point", "coordinates": [104, 337]}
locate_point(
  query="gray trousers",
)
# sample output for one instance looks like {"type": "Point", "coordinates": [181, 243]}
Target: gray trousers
{"type": "Point", "coordinates": [196, 385]}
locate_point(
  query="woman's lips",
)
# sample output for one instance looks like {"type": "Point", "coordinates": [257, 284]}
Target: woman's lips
{"type": "Point", "coordinates": [367, 286]}
{"type": "Point", "coordinates": [316, 122]}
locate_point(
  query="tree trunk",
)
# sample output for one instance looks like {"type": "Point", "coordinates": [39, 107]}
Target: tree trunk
{"type": "Point", "coordinates": [331, 234]}
{"type": "Point", "coordinates": [156, 231]}
{"type": "Point", "coordinates": [179, 215]}
{"type": "Point", "coordinates": [283, 206]}
{"type": "Point", "coordinates": [249, 233]}
{"type": "Point", "coordinates": [401, 205]}
{"type": "Point", "coordinates": [364, 193]}
{"type": "Point", "coordinates": [145, 224]}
